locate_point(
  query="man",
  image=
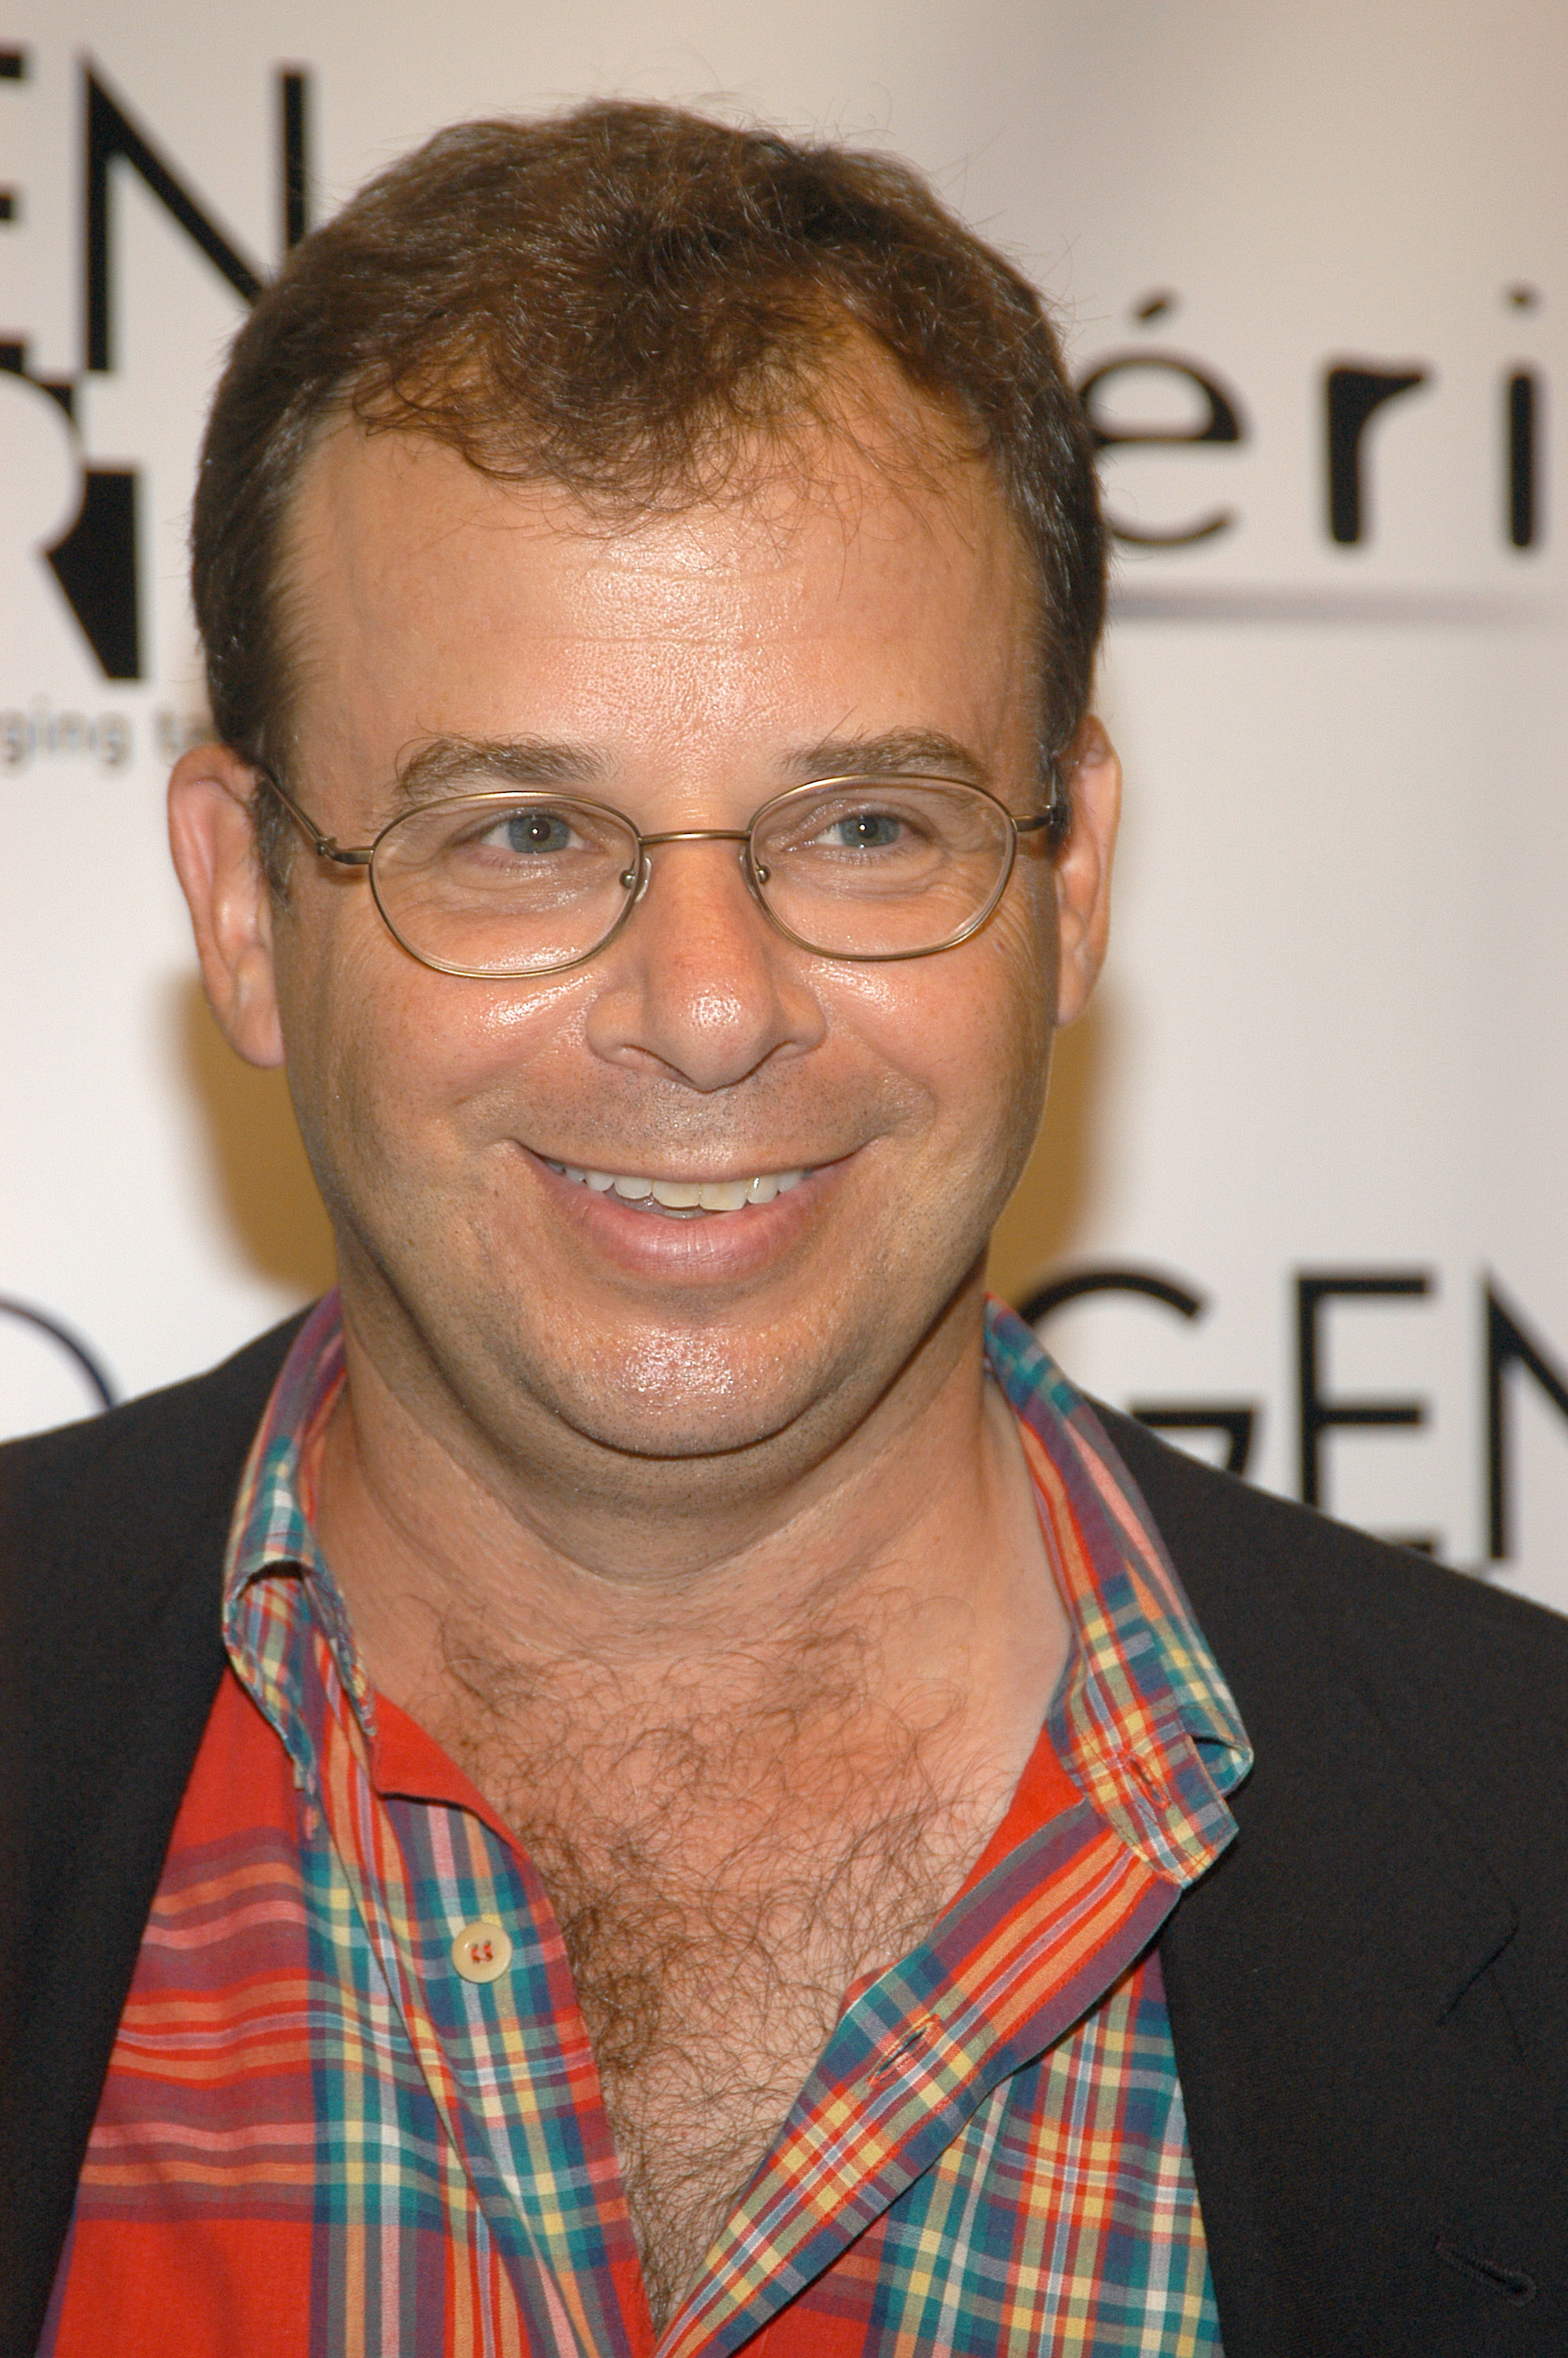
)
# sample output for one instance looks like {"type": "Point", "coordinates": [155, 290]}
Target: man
{"type": "Point", "coordinates": [647, 1777]}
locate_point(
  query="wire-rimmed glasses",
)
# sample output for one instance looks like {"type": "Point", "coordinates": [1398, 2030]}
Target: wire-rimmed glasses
{"type": "Point", "coordinates": [509, 885]}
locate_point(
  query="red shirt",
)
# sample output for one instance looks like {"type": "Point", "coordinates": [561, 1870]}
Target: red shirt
{"type": "Point", "coordinates": [320, 2136]}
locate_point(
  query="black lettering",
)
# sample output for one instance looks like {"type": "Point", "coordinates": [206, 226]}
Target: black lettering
{"type": "Point", "coordinates": [1115, 1280]}
{"type": "Point", "coordinates": [87, 1360]}
{"type": "Point", "coordinates": [95, 564]}
{"type": "Point", "coordinates": [1221, 422]}
{"type": "Point", "coordinates": [62, 390]}
{"type": "Point", "coordinates": [1523, 431]}
{"type": "Point", "coordinates": [112, 137]}
{"type": "Point", "coordinates": [1352, 396]}
{"type": "Point", "coordinates": [294, 154]}
{"type": "Point", "coordinates": [13, 67]}
{"type": "Point", "coordinates": [1320, 1414]}
{"type": "Point", "coordinates": [1237, 1420]}
{"type": "Point", "coordinates": [1510, 1343]}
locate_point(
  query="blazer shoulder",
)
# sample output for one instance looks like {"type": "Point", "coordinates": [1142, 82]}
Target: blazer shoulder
{"type": "Point", "coordinates": [183, 1411]}
{"type": "Point", "coordinates": [102, 1525]}
{"type": "Point", "coordinates": [111, 1542]}
{"type": "Point", "coordinates": [154, 1456]}
{"type": "Point", "coordinates": [1468, 1681]}
{"type": "Point", "coordinates": [1366, 1991]}
{"type": "Point", "coordinates": [1240, 1545]}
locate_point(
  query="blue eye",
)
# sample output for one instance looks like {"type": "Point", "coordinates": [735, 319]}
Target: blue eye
{"type": "Point", "coordinates": [864, 831]}
{"type": "Point", "coordinates": [534, 831]}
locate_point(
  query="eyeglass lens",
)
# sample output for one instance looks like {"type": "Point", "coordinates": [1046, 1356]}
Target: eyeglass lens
{"type": "Point", "coordinates": [522, 884]}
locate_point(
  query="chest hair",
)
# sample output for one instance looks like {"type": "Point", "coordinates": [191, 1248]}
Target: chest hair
{"type": "Point", "coordinates": [720, 1881]}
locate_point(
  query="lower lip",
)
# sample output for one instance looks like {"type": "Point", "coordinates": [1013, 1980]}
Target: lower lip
{"type": "Point", "coordinates": [717, 1245]}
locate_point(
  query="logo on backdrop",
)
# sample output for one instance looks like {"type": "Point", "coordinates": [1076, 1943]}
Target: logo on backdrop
{"type": "Point", "coordinates": [1142, 400]}
{"type": "Point", "coordinates": [1146, 399]}
{"type": "Point", "coordinates": [94, 551]}
{"type": "Point", "coordinates": [1511, 1351]}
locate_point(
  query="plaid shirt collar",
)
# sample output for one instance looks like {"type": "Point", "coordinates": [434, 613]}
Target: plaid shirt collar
{"type": "Point", "coordinates": [1141, 1688]}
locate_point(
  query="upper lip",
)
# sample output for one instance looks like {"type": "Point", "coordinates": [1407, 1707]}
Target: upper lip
{"type": "Point", "coordinates": [763, 1168]}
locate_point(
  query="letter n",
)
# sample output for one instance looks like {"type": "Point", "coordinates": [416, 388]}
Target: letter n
{"type": "Point", "coordinates": [1509, 1345]}
{"type": "Point", "coordinates": [113, 136]}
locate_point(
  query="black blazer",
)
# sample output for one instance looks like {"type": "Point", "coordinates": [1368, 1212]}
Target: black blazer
{"type": "Point", "coordinates": [1368, 1994]}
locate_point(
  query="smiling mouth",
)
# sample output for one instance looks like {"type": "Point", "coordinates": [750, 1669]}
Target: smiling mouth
{"type": "Point", "coordinates": [683, 1199]}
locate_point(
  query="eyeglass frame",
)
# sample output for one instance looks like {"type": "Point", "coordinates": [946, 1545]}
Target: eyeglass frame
{"type": "Point", "coordinates": [360, 858]}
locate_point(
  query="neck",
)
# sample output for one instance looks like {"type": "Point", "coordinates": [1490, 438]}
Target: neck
{"type": "Point", "coordinates": [913, 1541]}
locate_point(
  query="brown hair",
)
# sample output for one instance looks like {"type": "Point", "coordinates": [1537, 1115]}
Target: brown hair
{"type": "Point", "coordinates": [616, 300]}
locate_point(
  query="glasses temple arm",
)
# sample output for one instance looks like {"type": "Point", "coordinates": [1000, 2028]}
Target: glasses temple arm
{"type": "Point", "coordinates": [1058, 819]}
{"type": "Point", "coordinates": [326, 847]}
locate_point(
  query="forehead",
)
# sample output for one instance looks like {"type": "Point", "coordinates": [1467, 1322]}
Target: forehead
{"type": "Point", "coordinates": [849, 579]}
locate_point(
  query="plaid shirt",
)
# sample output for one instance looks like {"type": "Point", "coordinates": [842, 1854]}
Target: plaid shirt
{"type": "Point", "coordinates": [317, 2137]}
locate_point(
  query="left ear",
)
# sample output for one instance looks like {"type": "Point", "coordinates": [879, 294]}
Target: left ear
{"type": "Point", "coordinates": [1093, 778]}
{"type": "Point", "coordinates": [213, 836]}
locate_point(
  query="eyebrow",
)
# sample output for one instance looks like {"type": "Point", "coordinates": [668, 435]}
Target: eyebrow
{"type": "Point", "coordinates": [890, 754]}
{"type": "Point", "coordinates": [441, 764]}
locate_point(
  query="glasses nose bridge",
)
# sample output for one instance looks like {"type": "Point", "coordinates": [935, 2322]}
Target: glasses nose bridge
{"type": "Point", "coordinates": [645, 843]}
{"type": "Point", "coordinates": [698, 834]}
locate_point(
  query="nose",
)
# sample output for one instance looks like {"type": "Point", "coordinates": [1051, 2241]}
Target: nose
{"type": "Point", "coordinates": [700, 985]}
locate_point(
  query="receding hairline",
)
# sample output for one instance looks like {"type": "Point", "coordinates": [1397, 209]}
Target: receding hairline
{"type": "Point", "coordinates": [918, 447]}
{"type": "Point", "coordinates": [635, 287]}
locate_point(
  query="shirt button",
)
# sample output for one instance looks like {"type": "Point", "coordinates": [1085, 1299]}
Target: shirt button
{"type": "Point", "coordinates": [482, 1950]}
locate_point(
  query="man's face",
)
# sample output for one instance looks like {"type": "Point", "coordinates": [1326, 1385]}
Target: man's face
{"type": "Point", "coordinates": [686, 669]}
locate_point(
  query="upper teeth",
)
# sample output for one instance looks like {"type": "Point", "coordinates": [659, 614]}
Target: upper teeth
{"type": "Point", "coordinates": [687, 1195]}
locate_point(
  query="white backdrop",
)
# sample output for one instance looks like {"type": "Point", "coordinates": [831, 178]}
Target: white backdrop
{"type": "Point", "coordinates": [1330, 1048]}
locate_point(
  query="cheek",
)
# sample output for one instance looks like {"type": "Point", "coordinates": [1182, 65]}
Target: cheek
{"type": "Point", "coordinates": [969, 1032]}
{"type": "Point", "coordinates": [386, 1058]}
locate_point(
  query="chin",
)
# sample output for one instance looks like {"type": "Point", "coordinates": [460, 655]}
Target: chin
{"type": "Point", "coordinates": [689, 1396]}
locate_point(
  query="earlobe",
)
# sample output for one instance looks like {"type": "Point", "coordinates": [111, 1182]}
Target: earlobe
{"type": "Point", "coordinates": [1083, 867]}
{"type": "Point", "coordinates": [213, 838]}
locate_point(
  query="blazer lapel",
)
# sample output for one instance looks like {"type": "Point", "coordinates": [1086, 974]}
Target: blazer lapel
{"type": "Point", "coordinates": [1309, 1978]}
{"type": "Point", "coordinates": [1315, 1975]}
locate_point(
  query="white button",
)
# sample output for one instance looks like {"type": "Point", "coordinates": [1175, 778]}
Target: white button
{"type": "Point", "coordinates": [482, 1950]}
